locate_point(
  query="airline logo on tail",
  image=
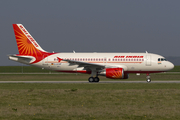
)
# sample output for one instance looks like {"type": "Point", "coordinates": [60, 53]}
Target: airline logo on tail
{"type": "Point", "coordinates": [28, 35]}
{"type": "Point", "coordinates": [27, 45]}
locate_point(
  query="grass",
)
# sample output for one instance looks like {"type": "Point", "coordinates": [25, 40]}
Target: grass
{"type": "Point", "coordinates": [88, 86]}
{"type": "Point", "coordinates": [90, 101]}
{"type": "Point", "coordinates": [22, 69]}
{"type": "Point", "coordinates": [95, 101]}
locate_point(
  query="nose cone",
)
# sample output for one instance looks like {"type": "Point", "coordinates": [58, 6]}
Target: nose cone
{"type": "Point", "coordinates": [170, 66]}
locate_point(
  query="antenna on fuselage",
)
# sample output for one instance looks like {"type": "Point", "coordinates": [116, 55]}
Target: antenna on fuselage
{"type": "Point", "coordinates": [74, 51]}
{"type": "Point", "coordinates": [146, 52]}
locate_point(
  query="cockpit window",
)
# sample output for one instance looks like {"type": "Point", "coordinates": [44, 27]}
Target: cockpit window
{"type": "Point", "coordinates": [162, 59]}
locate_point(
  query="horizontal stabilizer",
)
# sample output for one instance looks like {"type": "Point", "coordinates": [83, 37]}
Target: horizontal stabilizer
{"type": "Point", "coordinates": [22, 59]}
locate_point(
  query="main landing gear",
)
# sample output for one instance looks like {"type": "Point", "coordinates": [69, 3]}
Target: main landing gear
{"type": "Point", "coordinates": [148, 79]}
{"type": "Point", "coordinates": [93, 79]}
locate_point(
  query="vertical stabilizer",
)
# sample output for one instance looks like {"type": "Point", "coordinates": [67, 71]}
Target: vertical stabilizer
{"type": "Point", "coordinates": [27, 46]}
{"type": "Point", "coordinates": [25, 42]}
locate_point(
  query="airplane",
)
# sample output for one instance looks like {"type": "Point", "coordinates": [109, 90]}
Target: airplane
{"type": "Point", "coordinates": [110, 65]}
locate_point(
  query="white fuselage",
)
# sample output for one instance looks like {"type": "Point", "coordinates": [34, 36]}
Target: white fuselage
{"type": "Point", "coordinates": [130, 62]}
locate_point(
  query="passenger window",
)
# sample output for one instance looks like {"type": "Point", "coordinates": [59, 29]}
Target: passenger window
{"type": "Point", "coordinates": [159, 59]}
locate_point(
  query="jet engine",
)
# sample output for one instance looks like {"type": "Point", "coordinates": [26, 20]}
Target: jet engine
{"type": "Point", "coordinates": [114, 73]}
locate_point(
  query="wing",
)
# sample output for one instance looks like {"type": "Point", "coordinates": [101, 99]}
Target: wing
{"type": "Point", "coordinates": [92, 66]}
{"type": "Point", "coordinates": [87, 66]}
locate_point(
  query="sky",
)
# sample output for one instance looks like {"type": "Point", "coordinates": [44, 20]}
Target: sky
{"type": "Point", "coordinates": [93, 26]}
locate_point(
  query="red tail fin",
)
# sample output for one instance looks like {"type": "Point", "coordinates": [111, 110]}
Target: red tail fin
{"type": "Point", "coordinates": [26, 44]}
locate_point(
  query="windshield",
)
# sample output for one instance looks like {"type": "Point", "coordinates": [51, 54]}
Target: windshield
{"type": "Point", "coordinates": [162, 59]}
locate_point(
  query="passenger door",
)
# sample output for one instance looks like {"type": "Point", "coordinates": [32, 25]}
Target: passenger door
{"type": "Point", "coordinates": [148, 60]}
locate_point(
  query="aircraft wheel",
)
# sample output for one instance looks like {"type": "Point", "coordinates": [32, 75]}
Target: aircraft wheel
{"type": "Point", "coordinates": [148, 80]}
{"type": "Point", "coordinates": [96, 79]}
{"type": "Point", "coordinates": [91, 79]}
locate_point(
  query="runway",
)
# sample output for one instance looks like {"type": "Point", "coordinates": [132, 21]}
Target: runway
{"type": "Point", "coordinates": [174, 81]}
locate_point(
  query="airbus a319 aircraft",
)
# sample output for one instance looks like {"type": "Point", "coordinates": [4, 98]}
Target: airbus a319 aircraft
{"type": "Point", "coordinates": [110, 65]}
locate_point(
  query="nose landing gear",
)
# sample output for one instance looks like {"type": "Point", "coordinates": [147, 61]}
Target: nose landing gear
{"type": "Point", "coordinates": [148, 79]}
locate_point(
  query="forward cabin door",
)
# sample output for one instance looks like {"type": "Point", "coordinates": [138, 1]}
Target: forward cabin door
{"type": "Point", "coordinates": [148, 60]}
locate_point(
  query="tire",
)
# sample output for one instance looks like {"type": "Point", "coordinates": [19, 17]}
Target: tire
{"type": "Point", "coordinates": [96, 79]}
{"type": "Point", "coordinates": [148, 80]}
{"type": "Point", "coordinates": [91, 79]}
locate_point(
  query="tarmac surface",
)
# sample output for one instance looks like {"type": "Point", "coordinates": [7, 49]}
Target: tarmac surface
{"type": "Point", "coordinates": [174, 81]}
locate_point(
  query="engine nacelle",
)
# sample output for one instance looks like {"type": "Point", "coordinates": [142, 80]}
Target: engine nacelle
{"type": "Point", "coordinates": [114, 73]}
